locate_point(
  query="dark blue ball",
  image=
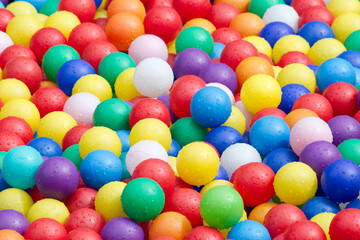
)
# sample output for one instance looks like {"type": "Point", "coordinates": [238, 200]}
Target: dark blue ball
{"type": "Point", "coordinates": [46, 147]}
{"type": "Point", "coordinates": [314, 68]}
{"type": "Point", "coordinates": [222, 137]}
{"type": "Point", "coordinates": [290, 93]}
{"type": "Point", "coordinates": [3, 183]}
{"type": "Point", "coordinates": [314, 31]}
{"type": "Point", "coordinates": [279, 157]}
{"type": "Point", "coordinates": [174, 148]}
{"type": "Point", "coordinates": [354, 204]}
{"type": "Point", "coordinates": [222, 174]}
{"type": "Point", "coordinates": [318, 205]}
{"type": "Point", "coordinates": [272, 32]}
{"type": "Point", "coordinates": [352, 56]}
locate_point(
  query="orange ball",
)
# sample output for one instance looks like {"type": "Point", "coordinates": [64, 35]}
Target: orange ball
{"type": "Point", "coordinates": [169, 224]}
{"type": "Point", "coordinates": [252, 66]}
{"type": "Point", "coordinates": [259, 212]}
{"type": "Point", "coordinates": [132, 6]}
{"type": "Point", "coordinates": [242, 5]}
{"type": "Point", "coordinates": [7, 234]}
{"type": "Point", "coordinates": [247, 24]}
{"type": "Point", "coordinates": [123, 28]}
{"type": "Point", "coordinates": [298, 114]}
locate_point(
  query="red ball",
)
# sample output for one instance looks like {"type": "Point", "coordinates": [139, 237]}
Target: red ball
{"type": "Point", "coordinates": [163, 22]}
{"type": "Point", "coordinates": [356, 116]}
{"type": "Point", "coordinates": [181, 93]}
{"type": "Point", "coordinates": [280, 217]}
{"type": "Point", "coordinates": [44, 39]}
{"type": "Point", "coordinates": [316, 13]}
{"type": "Point", "coordinates": [73, 135]}
{"type": "Point", "coordinates": [302, 5]}
{"type": "Point", "coordinates": [81, 198]}
{"type": "Point", "coordinates": [157, 170]}
{"type": "Point", "coordinates": [294, 57]}
{"type": "Point", "coordinates": [343, 98]}
{"type": "Point", "coordinates": [149, 108]}
{"type": "Point", "coordinates": [171, 59]}
{"type": "Point", "coordinates": [164, 238]}
{"type": "Point", "coordinates": [266, 57]}
{"type": "Point", "coordinates": [221, 14]}
{"type": "Point", "coordinates": [304, 230]}
{"type": "Point", "coordinates": [101, 22]}
{"type": "Point", "coordinates": [85, 218]}
{"type": "Point", "coordinates": [279, 237]}
{"type": "Point", "coordinates": [18, 126]}
{"type": "Point", "coordinates": [5, 17]}
{"type": "Point", "coordinates": [49, 99]}
{"type": "Point", "coordinates": [94, 52]}
{"type": "Point", "coordinates": [268, 112]}
{"type": "Point", "coordinates": [15, 51]}
{"type": "Point", "coordinates": [83, 234]}
{"type": "Point", "coordinates": [136, 100]}
{"type": "Point", "coordinates": [187, 202]}
{"type": "Point", "coordinates": [45, 229]}
{"type": "Point", "coordinates": [254, 182]}
{"type": "Point", "coordinates": [345, 225]}
{"type": "Point", "coordinates": [9, 140]}
{"type": "Point", "coordinates": [179, 183]}
{"type": "Point", "coordinates": [204, 232]}
{"type": "Point", "coordinates": [84, 34]}
{"type": "Point", "coordinates": [236, 51]}
{"type": "Point", "coordinates": [189, 9]}
{"type": "Point", "coordinates": [1, 104]}
{"type": "Point", "coordinates": [158, 3]}
{"type": "Point", "coordinates": [35, 194]}
{"type": "Point", "coordinates": [316, 103]}
{"type": "Point", "coordinates": [226, 35]}
{"type": "Point", "coordinates": [84, 9]}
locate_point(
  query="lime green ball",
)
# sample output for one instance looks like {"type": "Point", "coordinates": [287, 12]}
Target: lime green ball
{"type": "Point", "coordinates": [221, 207]}
{"type": "Point", "coordinates": [49, 7]}
{"type": "Point", "coordinates": [259, 7]}
{"type": "Point", "coordinates": [186, 130]}
{"type": "Point", "coordinates": [194, 37]}
{"type": "Point", "coordinates": [55, 57]}
{"type": "Point", "coordinates": [142, 199]}
{"type": "Point", "coordinates": [352, 41]}
{"type": "Point", "coordinates": [112, 113]}
{"type": "Point", "coordinates": [350, 149]}
{"type": "Point", "coordinates": [73, 154]}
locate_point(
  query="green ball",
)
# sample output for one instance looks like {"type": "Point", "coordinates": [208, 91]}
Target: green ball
{"type": "Point", "coordinates": [259, 7]}
{"type": "Point", "coordinates": [352, 42]}
{"type": "Point", "coordinates": [73, 154]}
{"type": "Point", "coordinates": [55, 57]}
{"type": "Point", "coordinates": [186, 130]}
{"type": "Point", "coordinates": [2, 155]}
{"type": "Point", "coordinates": [194, 37]}
{"type": "Point", "coordinates": [112, 113]}
{"type": "Point", "coordinates": [125, 173]}
{"type": "Point", "coordinates": [49, 7]}
{"type": "Point", "coordinates": [221, 207]}
{"type": "Point", "coordinates": [142, 199]}
{"type": "Point", "coordinates": [350, 149]}
{"type": "Point", "coordinates": [113, 64]}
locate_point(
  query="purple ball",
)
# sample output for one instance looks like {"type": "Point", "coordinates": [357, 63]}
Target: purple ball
{"type": "Point", "coordinates": [165, 100]}
{"type": "Point", "coordinates": [5, 2]}
{"type": "Point", "coordinates": [318, 155]}
{"type": "Point", "coordinates": [219, 73]}
{"type": "Point", "coordinates": [344, 127]}
{"type": "Point", "coordinates": [13, 220]}
{"type": "Point", "coordinates": [190, 61]}
{"type": "Point", "coordinates": [57, 178]}
{"type": "Point", "coordinates": [122, 228]}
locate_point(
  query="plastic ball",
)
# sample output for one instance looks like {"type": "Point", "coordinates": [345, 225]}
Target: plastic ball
{"type": "Point", "coordinates": [49, 7]}
{"type": "Point", "coordinates": [253, 25]}
{"type": "Point", "coordinates": [316, 13]}
{"type": "Point", "coordinates": [85, 218]}
{"type": "Point", "coordinates": [9, 140]}
{"type": "Point", "coordinates": [10, 234]}
{"type": "Point", "coordinates": [81, 198]}
{"type": "Point", "coordinates": [343, 128]}
{"type": "Point", "coordinates": [342, 97]}
{"type": "Point", "coordinates": [282, 13]}
{"type": "Point", "coordinates": [219, 73]}
{"type": "Point", "coordinates": [352, 56]}
{"type": "Point", "coordinates": [304, 229]}
{"type": "Point", "coordinates": [350, 41]}
{"type": "Point", "coordinates": [300, 5]}
{"type": "Point", "coordinates": [259, 212]}
{"type": "Point", "coordinates": [259, 7]}
{"type": "Point", "coordinates": [290, 93]}
{"type": "Point", "coordinates": [22, 27]}
{"type": "Point", "coordinates": [125, 82]}
{"type": "Point", "coordinates": [316, 103]}
{"type": "Point", "coordinates": [194, 37]}
{"type": "Point", "coordinates": [84, 9]}
{"type": "Point", "coordinates": [135, 7]}
{"type": "Point", "coordinates": [6, 41]}
{"type": "Point", "coordinates": [316, 30]}
{"type": "Point", "coordinates": [279, 157]}
{"type": "Point", "coordinates": [83, 233]}
{"type": "Point", "coordinates": [16, 199]}
{"type": "Point", "coordinates": [152, 108]}
{"type": "Point", "coordinates": [204, 232]}
{"type": "Point", "coordinates": [6, 17]}
{"type": "Point", "coordinates": [94, 52]}
{"type": "Point", "coordinates": [225, 35]}
{"type": "Point", "coordinates": [186, 130]}
{"type": "Point", "coordinates": [124, 227]}
{"type": "Point", "coordinates": [294, 57]}
{"type": "Point", "coordinates": [222, 137]}
{"type": "Point", "coordinates": [319, 205]}
{"type": "Point", "coordinates": [15, 51]}
{"type": "Point", "coordinates": [13, 220]}
{"type": "Point", "coordinates": [94, 84]}
{"type": "Point", "coordinates": [46, 146]}
{"type": "Point", "coordinates": [124, 138]}
{"type": "Point", "coordinates": [344, 224]}
{"type": "Point", "coordinates": [48, 208]}
{"type": "Point", "coordinates": [74, 135]}
{"type": "Point", "coordinates": [273, 31]}
{"type": "Point", "coordinates": [296, 115]}
{"type": "Point", "coordinates": [325, 49]}
{"type": "Point", "coordinates": [349, 150]}
{"type": "Point", "coordinates": [64, 21]}
{"type": "Point", "coordinates": [192, 9]}
{"type": "Point", "coordinates": [18, 126]}
{"type": "Point", "coordinates": [290, 43]}
{"type": "Point", "coordinates": [250, 229]}
{"type": "Point", "coordinates": [12, 88]}
{"type": "Point", "coordinates": [324, 220]}
{"type": "Point", "coordinates": [218, 48]}
{"type": "Point", "coordinates": [49, 99]}
{"type": "Point", "coordinates": [236, 120]}
{"type": "Point", "coordinates": [263, 47]}
{"type": "Point", "coordinates": [45, 228]}
{"type": "Point", "coordinates": [221, 14]}
{"type": "Point", "coordinates": [243, 50]}
{"type": "Point", "coordinates": [299, 74]}
{"type": "Point", "coordinates": [345, 24]}
{"type": "Point", "coordinates": [21, 8]}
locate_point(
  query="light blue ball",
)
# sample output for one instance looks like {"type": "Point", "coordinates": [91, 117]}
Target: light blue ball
{"type": "Point", "coordinates": [218, 48]}
{"type": "Point", "coordinates": [36, 3]}
{"type": "Point", "coordinates": [124, 139]}
{"type": "Point", "coordinates": [249, 230]}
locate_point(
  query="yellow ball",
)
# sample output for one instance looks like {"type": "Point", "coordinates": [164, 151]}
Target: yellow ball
{"type": "Point", "coordinates": [236, 120]}
{"type": "Point", "coordinates": [323, 220]}
{"type": "Point", "coordinates": [338, 7]}
{"type": "Point", "coordinates": [16, 199]}
{"type": "Point", "coordinates": [41, 17]}
{"type": "Point", "coordinates": [22, 27]}
{"type": "Point", "coordinates": [103, 3]}
{"type": "Point", "coordinates": [12, 88]}
{"type": "Point", "coordinates": [24, 109]}
{"type": "Point", "coordinates": [171, 47]}
{"type": "Point", "coordinates": [172, 163]}
{"type": "Point", "coordinates": [289, 43]}
{"type": "Point", "coordinates": [1, 74]}
{"type": "Point", "coordinates": [108, 200]}
{"type": "Point", "coordinates": [325, 49]}
{"type": "Point", "coordinates": [63, 21]}
{"type": "Point", "coordinates": [151, 129]}
{"type": "Point", "coordinates": [277, 70]}
{"type": "Point", "coordinates": [295, 183]}
{"type": "Point", "coordinates": [99, 138]}
{"type": "Point", "coordinates": [261, 45]}
{"type": "Point", "coordinates": [297, 73]}
{"type": "Point", "coordinates": [256, 98]}
{"type": "Point", "coordinates": [200, 22]}
{"type": "Point", "coordinates": [124, 85]}
{"type": "Point", "coordinates": [93, 84]}
{"type": "Point", "coordinates": [100, 13]}
{"type": "Point", "coordinates": [197, 163]}
{"type": "Point", "coordinates": [55, 125]}
{"type": "Point", "coordinates": [21, 8]}
{"type": "Point", "coordinates": [215, 183]}
{"type": "Point", "coordinates": [345, 24]}
{"type": "Point", "coordinates": [48, 208]}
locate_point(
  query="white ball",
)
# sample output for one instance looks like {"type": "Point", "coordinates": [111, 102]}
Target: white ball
{"type": "Point", "coordinates": [225, 89]}
{"type": "Point", "coordinates": [248, 115]}
{"type": "Point", "coordinates": [5, 41]}
{"type": "Point", "coordinates": [282, 13]}
{"type": "Point", "coordinates": [142, 151]}
{"type": "Point", "coordinates": [238, 155]}
{"type": "Point", "coordinates": [81, 107]}
{"type": "Point", "coordinates": [153, 77]}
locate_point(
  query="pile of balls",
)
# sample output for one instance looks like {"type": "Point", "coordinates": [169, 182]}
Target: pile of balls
{"type": "Point", "coordinates": [180, 119]}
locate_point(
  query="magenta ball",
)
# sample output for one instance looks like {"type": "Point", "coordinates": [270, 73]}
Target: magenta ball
{"type": "Point", "coordinates": [190, 61]}
{"type": "Point", "coordinates": [122, 228]}
{"type": "Point", "coordinates": [344, 127]}
{"type": "Point", "coordinates": [13, 220]}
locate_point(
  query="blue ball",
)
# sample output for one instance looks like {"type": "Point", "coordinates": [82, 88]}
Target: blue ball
{"type": "Point", "coordinates": [246, 137]}
{"type": "Point", "coordinates": [341, 181]}
{"type": "Point", "coordinates": [279, 157]}
{"type": "Point", "coordinates": [335, 70]}
{"type": "Point", "coordinates": [352, 56]}
{"type": "Point", "coordinates": [70, 72]}
{"type": "Point", "coordinates": [314, 31]}
{"type": "Point", "coordinates": [218, 48]}
{"type": "Point", "coordinates": [36, 3]}
{"type": "Point", "coordinates": [288, 2]}
{"type": "Point", "coordinates": [210, 107]}
{"type": "Point", "coordinates": [98, 3]}
{"type": "Point", "coordinates": [290, 93]}
{"type": "Point", "coordinates": [272, 32]}
{"type": "Point", "coordinates": [222, 137]}
{"type": "Point", "coordinates": [354, 204]}
{"type": "Point", "coordinates": [3, 183]}
{"type": "Point", "coordinates": [222, 174]}
{"type": "Point", "coordinates": [124, 139]}
{"type": "Point", "coordinates": [249, 230]}
{"type": "Point", "coordinates": [125, 172]}
{"type": "Point", "coordinates": [174, 148]}
{"type": "Point", "coordinates": [269, 133]}
{"type": "Point", "coordinates": [313, 67]}
{"type": "Point", "coordinates": [318, 205]}
{"type": "Point", "coordinates": [100, 167]}
{"type": "Point", "coordinates": [20, 165]}
{"type": "Point", "coordinates": [47, 147]}
{"type": "Point", "coordinates": [1, 5]}
{"type": "Point", "coordinates": [357, 74]}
